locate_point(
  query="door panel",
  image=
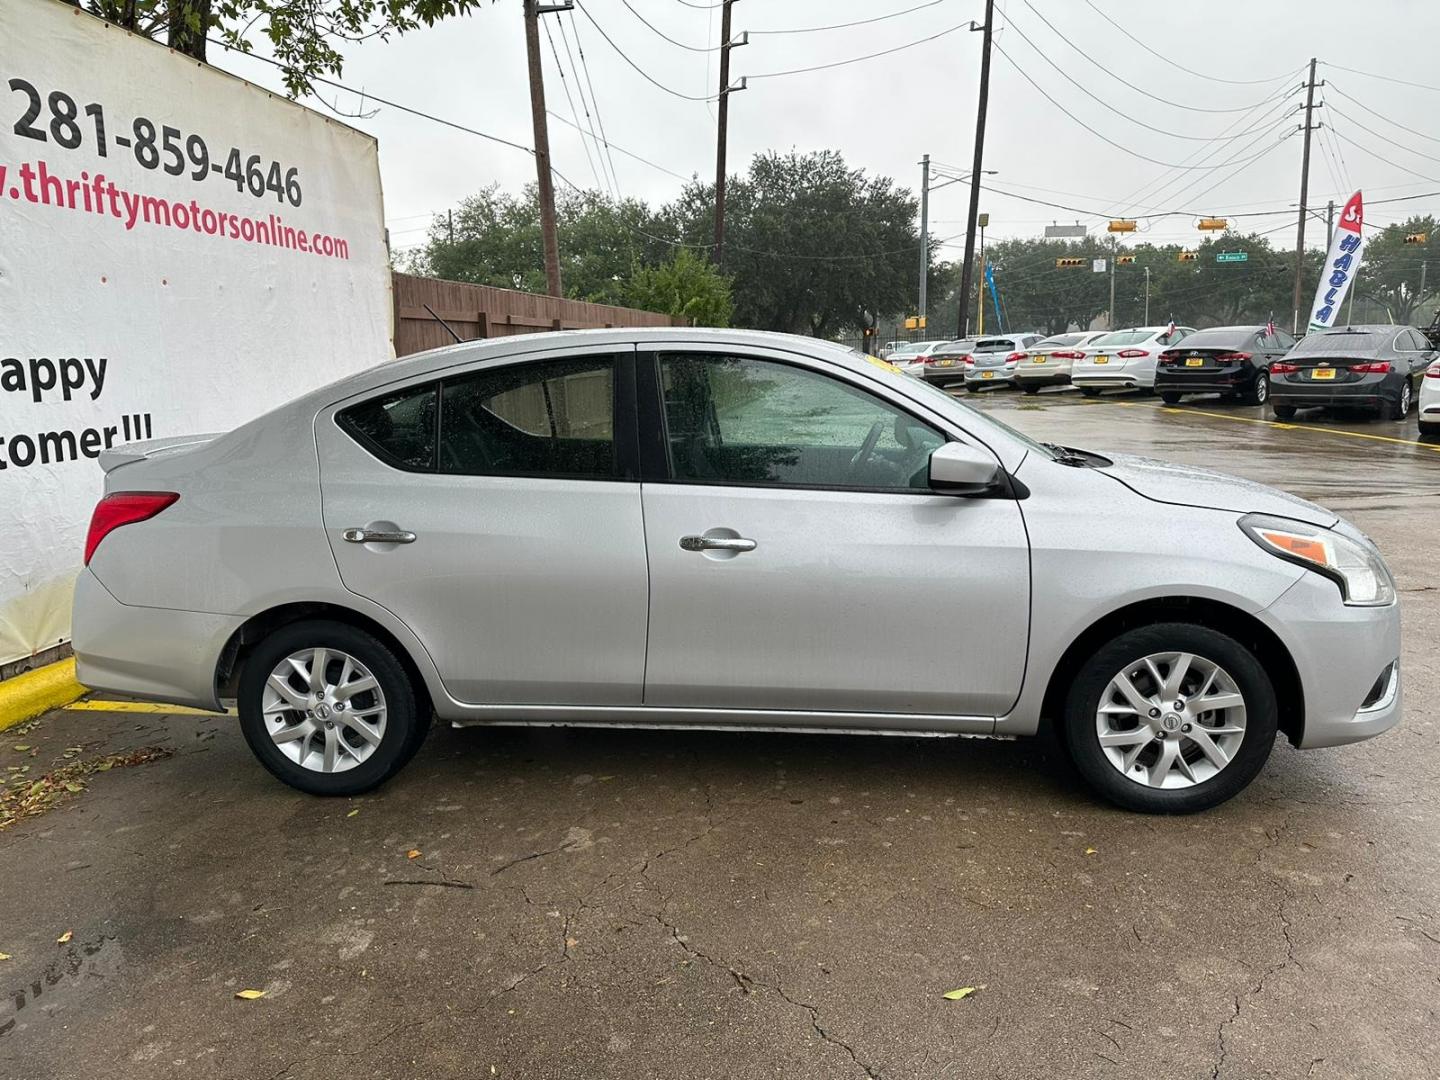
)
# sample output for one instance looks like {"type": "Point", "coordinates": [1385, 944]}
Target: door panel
{"type": "Point", "coordinates": [525, 589]}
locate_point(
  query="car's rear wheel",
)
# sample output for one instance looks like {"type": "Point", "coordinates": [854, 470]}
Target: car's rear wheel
{"type": "Point", "coordinates": [1170, 718]}
{"type": "Point", "coordinates": [974, 388]}
{"type": "Point", "coordinates": [1401, 409]}
{"type": "Point", "coordinates": [1170, 398]}
{"type": "Point", "coordinates": [1259, 393]}
{"type": "Point", "coordinates": [1283, 412]}
{"type": "Point", "coordinates": [1430, 432]}
{"type": "Point", "coordinates": [1029, 389]}
{"type": "Point", "coordinates": [329, 709]}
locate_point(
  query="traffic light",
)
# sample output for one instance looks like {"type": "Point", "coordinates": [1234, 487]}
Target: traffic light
{"type": "Point", "coordinates": [1121, 225]}
{"type": "Point", "coordinates": [1416, 237]}
{"type": "Point", "coordinates": [1188, 256]}
{"type": "Point", "coordinates": [1124, 260]}
{"type": "Point", "coordinates": [1061, 264]}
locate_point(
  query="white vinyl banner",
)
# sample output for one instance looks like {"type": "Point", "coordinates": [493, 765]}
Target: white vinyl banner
{"type": "Point", "coordinates": [180, 251]}
{"type": "Point", "coordinates": [1342, 264]}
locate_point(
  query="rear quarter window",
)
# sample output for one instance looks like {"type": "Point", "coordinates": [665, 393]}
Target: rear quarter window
{"type": "Point", "coordinates": [398, 428]}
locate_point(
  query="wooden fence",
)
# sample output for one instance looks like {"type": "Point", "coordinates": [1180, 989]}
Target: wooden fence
{"type": "Point", "coordinates": [480, 311]}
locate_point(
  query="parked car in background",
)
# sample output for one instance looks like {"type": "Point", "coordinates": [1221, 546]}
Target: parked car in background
{"type": "Point", "coordinates": [910, 357]}
{"type": "Point", "coordinates": [1375, 367]}
{"type": "Point", "coordinates": [1230, 360]}
{"type": "Point", "coordinates": [1047, 362]}
{"type": "Point", "coordinates": [889, 348]}
{"type": "Point", "coordinates": [1430, 403]}
{"type": "Point", "coordinates": [945, 363]}
{"type": "Point", "coordinates": [1124, 358]}
{"type": "Point", "coordinates": [994, 359]}
{"type": "Point", "coordinates": [688, 523]}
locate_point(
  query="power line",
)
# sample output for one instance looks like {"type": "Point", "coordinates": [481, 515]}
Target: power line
{"type": "Point", "coordinates": [1382, 138]}
{"type": "Point", "coordinates": [858, 59]}
{"type": "Point", "coordinates": [1118, 146]}
{"type": "Point", "coordinates": [661, 33]}
{"type": "Point", "coordinates": [565, 85]}
{"type": "Point", "coordinates": [595, 101]}
{"type": "Point", "coordinates": [1118, 112]}
{"type": "Point", "coordinates": [1132, 86]}
{"type": "Point", "coordinates": [1336, 90]}
{"type": "Point", "coordinates": [628, 153]}
{"type": "Point", "coordinates": [857, 22]}
{"type": "Point", "coordinates": [1175, 64]}
{"type": "Point", "coordinates": [1384, 78]}
{"type": "Point", "coordinates": [643, 73]}
{"type": "Point", "coordinates": [1341, 135]}
{"type": "Point", "coordinates": [701, 7]}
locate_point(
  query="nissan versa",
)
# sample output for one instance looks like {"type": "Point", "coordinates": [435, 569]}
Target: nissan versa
{"type": "Point", "coordinates": [717, 529]}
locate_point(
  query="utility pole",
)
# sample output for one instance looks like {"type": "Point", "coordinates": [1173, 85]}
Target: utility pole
{"type": "Point", "coordinates": [450, 224]}
{"type": "Point", "coordinates": [1329, 224]}
{"type": "Point", "coordinates": [1114, 246]}
{"type": "Point", "coordinates": [924, 235]}
{"type": "Point", "coordinates": [1147, 296]}
{"type": "Point", "coordinates": [984, 219]}
{"type": "Point", "coordinates": [1304, 194]}
{"type": "Point", "coordinates": [721, 128]}
{"type": "Point", "coordinates": [544, 180]}
{"type": "Point", "coordinates": [1421, 294]}
{"type": "Point", "coordinates": [978, 168]}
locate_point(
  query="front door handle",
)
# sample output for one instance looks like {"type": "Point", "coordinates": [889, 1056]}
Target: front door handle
{"type": "Point", "coordinates": [716, 543]}
{"type": "Point", "coordinates": [367, 536]}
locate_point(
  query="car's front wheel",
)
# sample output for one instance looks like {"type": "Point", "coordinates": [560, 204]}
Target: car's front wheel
{"type": "Point", "coordinates": [329, 709]}
{"type": "Point", "coordinates": [1170, 718]}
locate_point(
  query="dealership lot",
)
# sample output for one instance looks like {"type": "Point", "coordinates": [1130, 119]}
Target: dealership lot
{"type": "Point", "coordinates": [627, 904]}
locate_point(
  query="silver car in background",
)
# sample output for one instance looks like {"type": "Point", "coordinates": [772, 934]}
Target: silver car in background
{"type": "Point", "coordinates": [1124, 358]}
{"type": "Point", "coordinates": [1047, 362]}
{"type": "Point", "coordinates": [911, 357]}
{"type": "Point", "coordinates": [994, 359]}
{"type": "Point", "coordinates": [687, 528]}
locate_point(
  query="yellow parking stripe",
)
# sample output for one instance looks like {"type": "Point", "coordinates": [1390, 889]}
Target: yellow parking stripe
{"type": "Point", "coordinates": [1277, 424]}
{"type": "Point", "coordinates": [141, 707]}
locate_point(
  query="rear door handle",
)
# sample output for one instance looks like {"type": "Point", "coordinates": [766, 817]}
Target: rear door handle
{"type": "Point", "coordinates": [716, 543]}
{"type": "Point", "coordinates": [366, 536]}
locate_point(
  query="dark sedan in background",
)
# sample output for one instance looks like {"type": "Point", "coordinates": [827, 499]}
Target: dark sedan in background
{"type": "Point", "coordinates": [1230, 360]}
{"type": "Point", "coordinates": [1373, 367]}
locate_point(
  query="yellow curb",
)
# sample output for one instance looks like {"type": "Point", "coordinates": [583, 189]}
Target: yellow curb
{"type": "Point", "coordinates": [33, 693]}
{"type": "Point", "coordinates": [94, 705]}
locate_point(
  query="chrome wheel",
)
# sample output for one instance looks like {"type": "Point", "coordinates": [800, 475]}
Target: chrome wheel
{"type": "Point", "coordinates": [1171, 720]}
{"type": "Point", "coordinates": [324, 710]}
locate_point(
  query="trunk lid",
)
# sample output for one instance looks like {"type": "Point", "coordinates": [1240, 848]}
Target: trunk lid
{"type": "Point", "coordinates": [129, 453]}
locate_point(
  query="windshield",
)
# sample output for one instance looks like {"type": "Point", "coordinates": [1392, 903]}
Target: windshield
{"type": "Point", "coordinates": [1220, 337]}
{"type": "Point", "coordinates": [995, 345]}
{"type": "Point", "coordinates": [1122, 337]}
{"type": "Point", "coordinates": [1342, 341]}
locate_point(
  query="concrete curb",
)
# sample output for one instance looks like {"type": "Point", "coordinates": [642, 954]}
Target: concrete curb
{"type": "Point", "coordinates": [29, 695]}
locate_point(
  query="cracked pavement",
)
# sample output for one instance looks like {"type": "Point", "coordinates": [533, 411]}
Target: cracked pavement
{"type": "Point", "coordinates": [592, 904]}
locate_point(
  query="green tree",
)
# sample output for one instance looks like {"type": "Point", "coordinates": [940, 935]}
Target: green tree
{"type": "Point", "coordinates": [1392, 270]}
{"type": "Point", "coordinates": [687, 285]}
{"type": "Point", "coordinates": [496, 241]}
{"type": "Point", "coordinates": [814, 247]}
{"type": "Point", "coordinates": [303, 35]}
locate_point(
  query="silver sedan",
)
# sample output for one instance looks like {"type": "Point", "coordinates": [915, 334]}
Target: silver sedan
{"type": "Point", "coordinates": [719, 529]}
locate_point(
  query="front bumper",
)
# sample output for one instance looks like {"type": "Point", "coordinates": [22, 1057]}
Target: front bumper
{"type": "Point", "coordinates": [156, 654]}
{"type": "Point", "coordinates": [1339, 653]}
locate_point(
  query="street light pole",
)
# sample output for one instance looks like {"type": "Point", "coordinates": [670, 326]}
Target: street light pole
{"type": "Point", "coordinates": [977, 168]}
{"type": "Point", "coordinates": [1147, 296]}
{"type": "Point", "coordinates": [924, 235]}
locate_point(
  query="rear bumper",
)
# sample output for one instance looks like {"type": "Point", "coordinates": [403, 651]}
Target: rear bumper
{"type": "Point", "coordinates": [1370, 392]}
{"type": "Point", "coordinates": [942, 376]}
{"type": "Point", "coordinates": [1212, 383]}
{"type": "Point", "coordinates": [989, 376]}
{"type": "Point", "coordinates": [156, 654]}
{"type": "Point", "coordinates": [1339, 652]}
{"type": "Point", "coordinates": [1104, 379]}
{"type": "Point", "coordinates": [1042, 376]}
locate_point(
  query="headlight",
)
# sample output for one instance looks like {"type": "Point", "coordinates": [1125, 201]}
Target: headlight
{"type": "Point", "coordinates": [1357, 569]}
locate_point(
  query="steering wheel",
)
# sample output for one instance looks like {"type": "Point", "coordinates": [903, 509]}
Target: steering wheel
{"type": "Point", "coordinates": [868, 446]}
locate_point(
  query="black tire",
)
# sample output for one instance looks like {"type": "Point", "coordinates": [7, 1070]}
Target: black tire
{"type": "Point", "coordinates": [1403, 400]}
{"type": "Point", "coordinates": [1283, 412]}
{"type": "Point", "coordinates": [1170, 398]}
{"type": "Point", "coordinates": [974, 388]}
{"type": "Point", "coordinates": [1029, 389]}
{"type": "Point", "coordinates": [405, 724]}
{"type": "Point", "coordinates": [1112, 658]}
{"type": "Point", "coordinates": [1259, 392]}
{"type": "Point", "coordinates": [1430, 433]}
{"type": "Point", "coordinates": [1090, 391]}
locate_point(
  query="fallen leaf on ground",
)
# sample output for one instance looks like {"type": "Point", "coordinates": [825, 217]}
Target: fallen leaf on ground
{"type": "Point", "coordinates": [249, 995]}
{"type": "Point", "coordinates": [73, 787]}
{"type": "Point", "coordinates": [38, 796]}
{"type": "Point", "coordinates": [1089, 851]}
{"type": "Point", "coordinates": [957, 995]}
{"type": "Point", "coordinates": [21, 748]}
{"type": "Point", "coordinates": [65, 937]}
{"type": "Point", "coordinates": [4, 956]}
{"type": "Point", "coordinates": [352, 813]}
{"type": "Point", "coordinates": [413, 853]}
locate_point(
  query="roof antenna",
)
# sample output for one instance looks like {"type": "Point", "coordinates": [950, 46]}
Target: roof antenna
{"type": "Point", "coordinates": [443, 323]}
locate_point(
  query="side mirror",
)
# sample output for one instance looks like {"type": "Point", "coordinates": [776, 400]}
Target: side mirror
{"type": "Point", "coordinates": [958, 469]}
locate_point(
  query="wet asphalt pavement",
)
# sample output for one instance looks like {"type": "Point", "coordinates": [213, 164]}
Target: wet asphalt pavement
{"type": "Point", "coordinates": [623, 904]}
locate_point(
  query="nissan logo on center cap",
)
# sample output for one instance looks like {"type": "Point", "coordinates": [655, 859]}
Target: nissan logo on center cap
{"type": "Point", "coordinates": [1170, 721]}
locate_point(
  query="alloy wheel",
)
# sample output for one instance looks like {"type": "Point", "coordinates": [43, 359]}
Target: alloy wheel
{"type": "Point", "coordinates": [324, 710]}
{"type": "Point", "coordinates": [1171, 720]}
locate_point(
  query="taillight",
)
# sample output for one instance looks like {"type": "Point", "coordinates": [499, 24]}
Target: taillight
{"type": "Point", "coordinates": [1130, 354]}
{"type": "Point", "coordinates": [1167, 358]}
{"type": "Point", "coordinates": [1280, 367]}
{"type": "Point", "coordinates": [1068, 355]}
{"type": "Point", "coordinates": [1231, 357]}
{"type": "Point", "coordinates": [968, 361]}
{"type": "Point", "coordinates": [1014, 357]}
{"type": "Point", "coordinates": [1379, 367]}
{"type": "Point", "coordinates": [1433, 373]}
{"type": "Point", "coordinates": [123, 508]}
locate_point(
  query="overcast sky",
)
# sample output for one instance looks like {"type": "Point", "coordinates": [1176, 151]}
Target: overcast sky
{"type": "Point", "coordinates": [884, 113]}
